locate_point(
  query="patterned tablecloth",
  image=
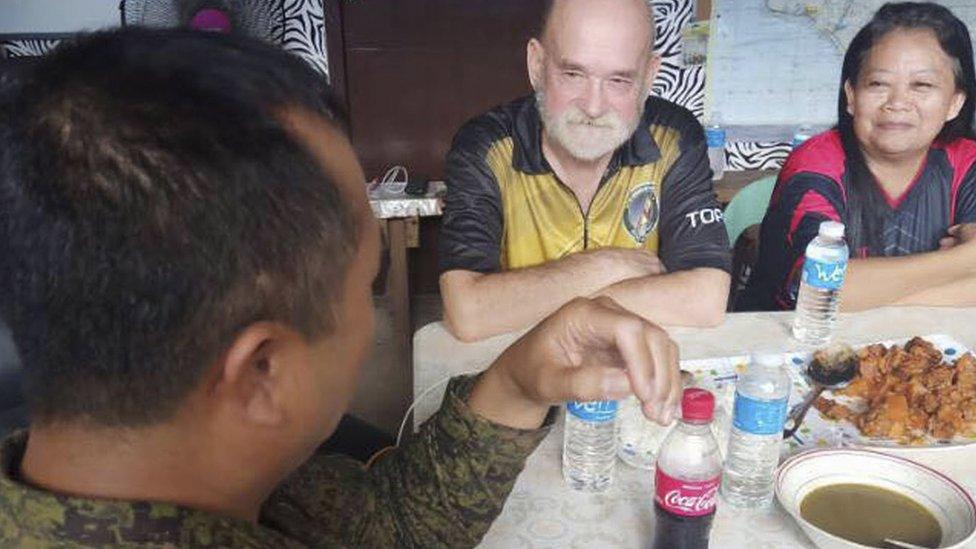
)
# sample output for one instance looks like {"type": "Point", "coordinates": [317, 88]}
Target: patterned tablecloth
{"type": "Point", "coordinates": [543, 512]}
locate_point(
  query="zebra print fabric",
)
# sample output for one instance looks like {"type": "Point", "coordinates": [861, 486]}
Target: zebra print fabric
{"type": "Point", "coordinates": [258, 18]}
{"type": "Point", "coordinates": [676, 82]}
{"type": "Point", "coordinates": [303, 32]}
{"type": "Point", "coordinates": [685, 85]}
{"type": "Point", "coordinates": [27, 48]}
{"type": "Point", "coordinates": [297, 25]}
{"type": "Point", "coordinates": [741, 155]}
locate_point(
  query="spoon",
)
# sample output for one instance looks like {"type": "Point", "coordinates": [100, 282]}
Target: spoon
{"type": "Point", "coordinates": [901, 544]}
{"type": "Point", "coordinates": [831, 368]}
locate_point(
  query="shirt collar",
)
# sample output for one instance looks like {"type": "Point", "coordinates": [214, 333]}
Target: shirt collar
{"type": "Point", "coordinates": [527, 156]}
{"type": "Point", "coordinates": [56, 519]}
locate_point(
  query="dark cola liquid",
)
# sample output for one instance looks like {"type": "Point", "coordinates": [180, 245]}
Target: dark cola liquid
{"type": "Point", "coordinates": [677, 532]}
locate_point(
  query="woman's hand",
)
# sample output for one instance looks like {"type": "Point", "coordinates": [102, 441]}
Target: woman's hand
{"type": "Point", "coordinates": [958, 234]}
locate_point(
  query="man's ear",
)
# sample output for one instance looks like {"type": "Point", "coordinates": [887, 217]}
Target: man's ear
{"type": "Point", "coordinates": [653, 66]}
{"type": "Point", "coordinates": [535, 56]}
{"type": "Point", "coordinates": [256, 373]}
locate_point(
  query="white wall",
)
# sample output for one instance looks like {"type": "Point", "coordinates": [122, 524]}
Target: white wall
{"type": "Point", "coordinates": [42, 16]}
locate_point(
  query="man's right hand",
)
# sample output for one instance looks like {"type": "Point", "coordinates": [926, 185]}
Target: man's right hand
{"type": "Point", "coordinates": [590, 349]}
{"type": "Point", "coordinates": [630, 263]}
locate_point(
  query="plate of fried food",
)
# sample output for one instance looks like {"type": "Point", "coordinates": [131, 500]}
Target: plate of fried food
{"type": "Point", "coordinates": [906, 394]}
{"type": "Point", "coordinates": [916, 393]}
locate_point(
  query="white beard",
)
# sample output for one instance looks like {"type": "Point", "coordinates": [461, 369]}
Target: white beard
{"type": "Point", "coordinates": [585, 138]}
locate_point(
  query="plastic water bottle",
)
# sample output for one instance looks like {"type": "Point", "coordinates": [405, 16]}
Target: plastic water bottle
{"type": "Point", "coordinates": [823, 275]}
{"type": "Point", "coordinates": [638, 438]}
{"type": "Point", "coordinates": [802, 133]}
{"type": "Point", "coordinates": [715, 139]}
{"type": "Point", "coordinates": [590, 444]}
{"type": "Point", "coordinates": [687, 478]}
{"type": "Point", "coordinates": [759, 412]}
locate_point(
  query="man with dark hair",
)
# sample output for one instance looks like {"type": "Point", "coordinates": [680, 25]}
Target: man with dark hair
{"type": "Point", "coordinates": [589, 187]}
{"type": "Point", "coordinates": [188, 255]}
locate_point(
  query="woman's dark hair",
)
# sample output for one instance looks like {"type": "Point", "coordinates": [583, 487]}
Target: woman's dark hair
{"type": "Point", "coordinates": [866, 206]}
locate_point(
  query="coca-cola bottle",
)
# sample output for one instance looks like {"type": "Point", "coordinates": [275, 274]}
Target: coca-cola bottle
{"type": "Point", "coordinates": [686, 482]}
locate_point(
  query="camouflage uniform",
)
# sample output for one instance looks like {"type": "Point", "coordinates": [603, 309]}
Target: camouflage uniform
{"type": "Point", "coordinates": [443, 489]}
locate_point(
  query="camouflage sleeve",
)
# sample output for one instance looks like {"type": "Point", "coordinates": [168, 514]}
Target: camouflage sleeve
{"type": "Point", "coordinates": [442, 489]}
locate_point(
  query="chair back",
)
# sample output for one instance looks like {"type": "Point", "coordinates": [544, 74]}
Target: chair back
{"type": "Point", "coordinates": [748, 207]}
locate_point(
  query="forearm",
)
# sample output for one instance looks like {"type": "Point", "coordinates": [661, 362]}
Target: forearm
{"type": "Point", "coordinates": [448, 485]}
{"type": "Point", "coordinates": [481, 306]}
{"type": "Point", "coordinates": [442, 488]}
{"type": "Point", "coordinates": [959, 293]}
{"type": "Point", "coordinates": [878, 281]}
{"type": "Point", "coordinates": [497, 398]}
{"type": "Point", "coordinates": [696, 297]}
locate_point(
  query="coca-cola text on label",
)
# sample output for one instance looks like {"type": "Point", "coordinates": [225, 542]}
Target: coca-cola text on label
{"type": "Point", "coordinates": [690, 499]}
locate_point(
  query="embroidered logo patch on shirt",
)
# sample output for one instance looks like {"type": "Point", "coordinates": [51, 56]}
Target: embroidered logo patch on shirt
{"type": "Point", "coordinates": [642, 212]}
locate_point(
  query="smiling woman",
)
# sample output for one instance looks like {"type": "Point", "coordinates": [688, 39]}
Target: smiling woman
{"type": "Point", "coordinates": [907, 82]}
{"type": "Point", "coordinates": [897, 171]}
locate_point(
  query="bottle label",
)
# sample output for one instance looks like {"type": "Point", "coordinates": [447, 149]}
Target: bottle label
{"type": "Point", "coordinates": [596, 411]}
{"type": "Point", "coordinates": [715, 137]}
{"type": "Point", "coordinates": [759, 417]}
{"type": "Point", "coordinates": [687, 498]}
{"type": "Point", "coordinates": [824, 275]}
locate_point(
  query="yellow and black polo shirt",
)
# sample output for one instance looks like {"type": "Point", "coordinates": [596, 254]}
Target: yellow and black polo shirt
{"type": "Point", "coordinates": [506, 209]}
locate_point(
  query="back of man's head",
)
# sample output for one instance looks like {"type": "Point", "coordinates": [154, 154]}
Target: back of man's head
{"type": "Point", "coordinates": [152, 205]}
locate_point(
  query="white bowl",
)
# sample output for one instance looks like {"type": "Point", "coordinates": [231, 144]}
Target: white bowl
{"type": "Point", "coordinates": [948, 502]}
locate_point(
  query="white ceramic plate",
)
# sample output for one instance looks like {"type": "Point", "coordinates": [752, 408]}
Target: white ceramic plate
{"type": "Point", "coordinates": [720, 374]}
{"type": "Point", "coordinates": [948, 502]}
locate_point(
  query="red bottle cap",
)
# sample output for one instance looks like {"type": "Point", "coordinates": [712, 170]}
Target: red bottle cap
{"type": "Point", "coordinates": [697, 405]}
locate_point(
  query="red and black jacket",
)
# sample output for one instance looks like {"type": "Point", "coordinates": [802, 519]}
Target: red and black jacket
{"type": "Point", "coordinates": [811, 189]}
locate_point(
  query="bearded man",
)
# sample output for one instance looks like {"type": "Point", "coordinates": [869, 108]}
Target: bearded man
{"type": "Point", "coordinates": [589, 187]}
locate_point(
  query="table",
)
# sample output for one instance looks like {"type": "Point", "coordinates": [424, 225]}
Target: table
{"type": "Point", "coordinates": [543, 512]}
{"type": "Point", "coordinates": [399, 215]}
